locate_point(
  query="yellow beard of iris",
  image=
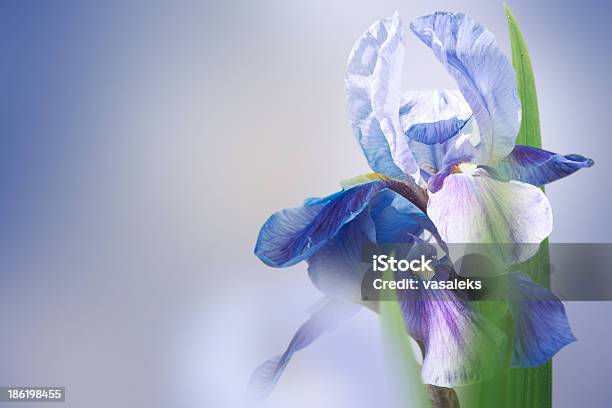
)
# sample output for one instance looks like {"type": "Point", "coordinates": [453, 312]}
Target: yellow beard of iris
{"type": "Point", "coordinates": [465, 167]}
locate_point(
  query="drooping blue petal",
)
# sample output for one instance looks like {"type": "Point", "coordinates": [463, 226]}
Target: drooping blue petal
{"type": "Point", "coordinates": [326, 319]}
{"type": "Point", "coordinates": [373, 94]}
{"type": "Point", "coordinates": [292, 235]}
{"type": "Point", "coordinates": [541, 328]}
{"type": "Point", "coordinates": [458, 342]}
{"type": "Point", "coordinates": [399, 220]}
{"type": "Point", "coordinates": [336, 269]}
{"type": "Point", "coordinates": [538, 167]}
{"type": "Point", "coordinates": [433, 116]}
{"type": "Point", "coordinates": [483, 73]}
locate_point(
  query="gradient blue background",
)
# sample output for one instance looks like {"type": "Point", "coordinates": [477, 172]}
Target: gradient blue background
{"type": "Point", "coordinates": [144, 143]}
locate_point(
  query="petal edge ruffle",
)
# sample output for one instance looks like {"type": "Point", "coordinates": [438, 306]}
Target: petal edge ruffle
{"type": "Point", "coordinates": [292, 235]}
{"type": "Point", "coordinates": [373, 93]}
{"type": "Point", "coordinates": [541, 327]}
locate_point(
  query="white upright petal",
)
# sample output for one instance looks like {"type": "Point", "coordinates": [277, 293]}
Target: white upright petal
{"type": "Point", "coordinates": [386, 95]}
{"type": "Point", "coordinates": [373, 94]}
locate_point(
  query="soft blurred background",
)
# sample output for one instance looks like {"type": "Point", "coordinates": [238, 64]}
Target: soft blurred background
{"type": "Point", "coordinates": [145, 142]}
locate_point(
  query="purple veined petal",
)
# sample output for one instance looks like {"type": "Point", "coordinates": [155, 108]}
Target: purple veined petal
{"type": "Point", "coordinates": [458, 342]}
{"type": "Point", "coordinates": [539, 167]}
{"type": "Point", "coordinates": [483, 73]}
{"type": "Point", "coordinates": [460, 149]}
{"type": "Point", "coordinates": [541, 327]}
{"type": "Point", "coordinates": [434, 116]}
{"type": "Point", "coordinates": [326, 319]}
{"type": "Point", "coordinates": [373, 94]}
{"type": "Point", "coordinates": [473, 208]}
{"type": "Point", "coordinates": [292, 235]}
{"type": "Point", "coordinates": [437, 180]}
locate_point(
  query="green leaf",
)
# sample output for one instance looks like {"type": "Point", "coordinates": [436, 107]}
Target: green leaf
{"type": "Point", "coordinates": [529, 387]}
{"type": "Point", "coordinates": [529, 133]}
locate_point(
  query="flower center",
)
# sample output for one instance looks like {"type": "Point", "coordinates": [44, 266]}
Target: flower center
{"type": "Point", "coordinates": [465, 167]}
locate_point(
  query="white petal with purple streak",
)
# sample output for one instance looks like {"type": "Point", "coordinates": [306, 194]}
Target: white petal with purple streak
{"type": "Point", "coordinates": [458, 342]}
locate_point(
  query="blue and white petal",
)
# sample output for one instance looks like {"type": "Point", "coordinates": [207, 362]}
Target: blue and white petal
{"type": "Point", "coordinates": [373, 93]}
{"type": "Point", "coordinates": [326, 319]}
{"type": "Point", "coordinates": [357, 85]}
{"type": "Point", "coordinates": [399, 220]}
{"type": "Point", "coordinates": [483, 73]}
{"type": "Point", "coordinates": [473, 208]}
{"type": "Point", "coordinates": [458, 342]}
{"type": "Point", "coordinates": [541, 328]}
{"type": "Point", "coordinates": [461, 147]}
{"type": "Point", "coordinates": [433, 116]}
{"type": "Point", "coordinates": [336, 269]}
{"type": "Point", "coordinates": [538, 167]}
{"type": "Point", "coordinates": [292, 235]}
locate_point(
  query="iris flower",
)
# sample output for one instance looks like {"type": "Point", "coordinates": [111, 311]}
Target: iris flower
{"type": "Point", "coordinates": [444, 161]}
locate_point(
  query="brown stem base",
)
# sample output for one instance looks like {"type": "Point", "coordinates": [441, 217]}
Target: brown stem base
{"type": "Point", "coordinates": [442, 397]}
